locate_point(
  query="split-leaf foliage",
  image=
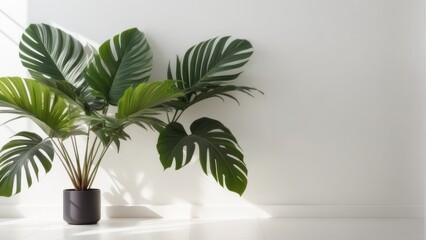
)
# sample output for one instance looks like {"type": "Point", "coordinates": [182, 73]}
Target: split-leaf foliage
{"type": "Point", "coordinates": [73, 85]}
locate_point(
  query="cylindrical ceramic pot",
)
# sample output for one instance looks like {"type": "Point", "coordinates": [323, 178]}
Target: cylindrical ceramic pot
{"type": "Point", "coordinates": [82, 207]}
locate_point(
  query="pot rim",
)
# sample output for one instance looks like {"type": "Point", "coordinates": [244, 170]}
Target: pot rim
{"type": "Point", "coordinates": [87, 190]}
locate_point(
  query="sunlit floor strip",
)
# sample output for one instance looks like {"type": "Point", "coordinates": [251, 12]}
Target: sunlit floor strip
{"type": "Point", "coordinates": [222, 229]}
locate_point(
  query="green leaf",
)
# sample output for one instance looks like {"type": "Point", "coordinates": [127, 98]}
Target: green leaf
{"type": "Point", "coordinates": [143, 98]}
{"type": "Point", "coordinates": [210, 91]}
{"type": "Point", "coordinates": [51, 53]}
{"type": "Point", "coordinates": [208, 68]}
{"type": "Point", "coordinates": [84, 98]}
{"type": "Point", "coordinates": [107, 129]}
{"type": "Point", "coordinates": [218, 151]}
{"type": "Point", "coordinates": [22, 157]}
{"type": "Point", "coordinates": [212, 61]}
{"type": "Point", "coordinates": [58, 60]}
{"type": "Point", "coordinates": [124, 61]}
{"type": "Point", "coordinates": [55, 115]}
{"type": "Point", "coordinates": [62, 87]}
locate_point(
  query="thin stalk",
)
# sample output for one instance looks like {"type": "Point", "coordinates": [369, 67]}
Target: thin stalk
{"type": "Point", "coordinates": [66, 169]}
{"type": "Point", "coordinates": [64, 149]}
{"type": "Point", "coordinates": [95, 170]}
{"type": "Point", "coordinates": [167, 114]}
{"type": "Point", "coordinates": [95, 154]}
{"type": "Point", "coordinates": [64, 158]}
{"type": "Point", "coordinates": [89, 161]}
{"type": "Point", "coordinates": [105, 110]}
{"type": "Point", "coordinates": [66, 165]}
{"type": "Point", "coordinates": [92, 149]}
{"type": "Point", "coordinates": [77, 155]}
{"type": "Point", "coordinates": [85, 163]}
{"type": "Point", "coordinates": [176, 116]}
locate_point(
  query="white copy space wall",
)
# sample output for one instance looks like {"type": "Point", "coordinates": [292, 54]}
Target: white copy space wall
{"type": "Point", "coordinates": [340, 123]}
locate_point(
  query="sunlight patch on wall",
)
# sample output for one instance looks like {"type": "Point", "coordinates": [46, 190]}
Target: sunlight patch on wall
{"type": "Point", "coordinates": [13, 20]}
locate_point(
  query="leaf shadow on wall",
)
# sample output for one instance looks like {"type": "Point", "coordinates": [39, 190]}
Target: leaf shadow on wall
{"type": "Point", "coordinates": [121, 198]}
{"type": "Point", "coordinates": [138, 179]}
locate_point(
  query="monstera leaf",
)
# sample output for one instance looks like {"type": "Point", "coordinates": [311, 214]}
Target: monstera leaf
{"type": "Point", "coordinates": [124, 61]}
{"type": "Point", "coordinates": [22, 157]}
{"type": "Point", "coordinates": [48, 109]}
{"type": "Point", "coordinates": [51, 53]}
{"type": "Point", "coordinates": [218, 151]}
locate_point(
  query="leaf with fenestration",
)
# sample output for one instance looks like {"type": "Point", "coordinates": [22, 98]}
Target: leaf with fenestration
{"type": "Point", "coordinates": [21, 159]}
{"type": "Point", "coordinates": [218, 151]}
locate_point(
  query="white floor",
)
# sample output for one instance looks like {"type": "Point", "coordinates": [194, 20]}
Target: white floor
{"type": "Point", "coordinates": [204, 229]}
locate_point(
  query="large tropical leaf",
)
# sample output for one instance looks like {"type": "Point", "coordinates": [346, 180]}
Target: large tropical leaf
{"type": "Point", "coordinates": [83, 97]}
{"type": "Point", "coordinates": [47, 108]}
{"type": "Point", "coordinates": [107, 128]}
{"type": "Point", "coordinates": [207, 69]}
{"type": "Point", "coordinates": [124, 61]}
{"type": "Point", "coordinates": [209, 91]}
{"type": "Point", "coordinates": [61, 87]}
{"type": "Point", "coordinates": [51, 53]}
{"type": "Point", "coordinates": [218, 151]}
{"type": "Point", "coordinates": [22, 157]}
{"type": "Point", "coordinates": [141, 99]}
{"type": "Point", "coordinates": [211, 61]}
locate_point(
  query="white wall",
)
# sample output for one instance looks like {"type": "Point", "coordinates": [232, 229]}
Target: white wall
{"type": "Point", "coordinates": [340, 122]}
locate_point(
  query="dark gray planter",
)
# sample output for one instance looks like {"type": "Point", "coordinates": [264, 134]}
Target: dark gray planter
{"type": "Point", "coordinates": [82, 207]}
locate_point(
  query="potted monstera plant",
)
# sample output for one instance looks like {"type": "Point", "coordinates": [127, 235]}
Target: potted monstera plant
{"type": "Point", "coordinates": [83, 99]}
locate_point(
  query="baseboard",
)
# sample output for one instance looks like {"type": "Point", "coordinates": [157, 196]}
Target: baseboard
{"type": "Point", "coordinates": [226, 211]}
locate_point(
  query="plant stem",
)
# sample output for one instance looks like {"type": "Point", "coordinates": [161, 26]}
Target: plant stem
{"type": "Point", "coordinates": [93, 152]}
{"type": "Point", "coordinates": [78, 177]}
{"type": "Point", "coordinates": [95, 170]}
{"type": "Point", "coordinates": [176, 116]}
{"type": "Point", "coordinates": [96, 153]}
{"type": "Point", "coordinates": [77, 155]}
{"type": "Point", "coordinates": [85, 164]}
{"type": "Point", "coordinates": [65, 164]}
{"type": "Point", "coordinates": [105, 110]}
{"type": "Point", "coordinates": [66, 169]}
{"type": "Point", "coordinates": [167, 114]}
